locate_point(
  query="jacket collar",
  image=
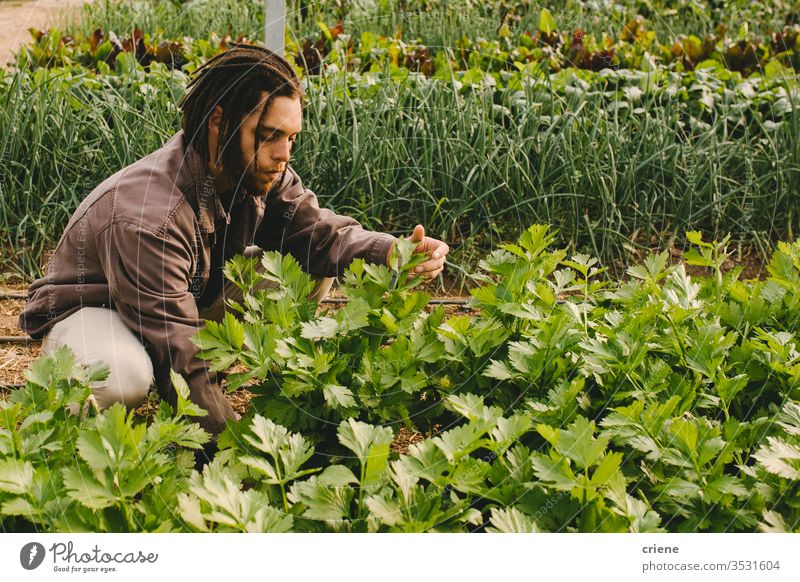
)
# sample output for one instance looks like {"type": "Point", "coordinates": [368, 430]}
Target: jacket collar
{"type": "Point", "coordinates": [209, 208]}
{"type": "Point", "coordinates": [202, 192]}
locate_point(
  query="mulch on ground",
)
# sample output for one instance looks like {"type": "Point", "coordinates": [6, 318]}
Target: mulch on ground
{"type": "Point", "coordinates": [9, 313]}
{"type": "Point", "coordinates": [14, 359]}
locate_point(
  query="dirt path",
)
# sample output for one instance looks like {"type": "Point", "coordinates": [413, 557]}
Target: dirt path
{"type": "Point", "coordinates": [17, 16]}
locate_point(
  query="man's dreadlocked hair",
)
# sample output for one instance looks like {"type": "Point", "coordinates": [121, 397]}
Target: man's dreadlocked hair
{"type": "Point", "coordinates": [234, 80]}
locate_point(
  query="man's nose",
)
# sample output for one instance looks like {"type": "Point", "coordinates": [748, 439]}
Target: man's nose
{"type": "Point", "coordinates": [282, 150]}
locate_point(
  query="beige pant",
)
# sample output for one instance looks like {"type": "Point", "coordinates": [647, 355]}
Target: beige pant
{"type": "Point", "coordinates": [99, 334]}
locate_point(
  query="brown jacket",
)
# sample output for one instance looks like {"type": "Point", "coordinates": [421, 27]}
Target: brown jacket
{"type": "Point", "coordinates": [150, 242]}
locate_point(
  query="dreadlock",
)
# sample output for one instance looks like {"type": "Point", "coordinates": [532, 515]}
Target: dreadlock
{"type": "Point", "coordinates": [234, 80]}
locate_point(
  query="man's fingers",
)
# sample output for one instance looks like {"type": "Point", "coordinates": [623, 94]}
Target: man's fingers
{"type": "Point", "coordinates": [418, 235]}
{"type": "Point", "coordinates": [432, 247]}
{"type": "Point", "coordinates": [428, 266]}
{"type": "Point", "coordinates": [440, 251]}
{"type": "Point", "coordinates": [430, 275]}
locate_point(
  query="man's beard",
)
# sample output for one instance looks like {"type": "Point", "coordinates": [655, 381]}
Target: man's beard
{"type": "Point", "coordinates": [247, 179]}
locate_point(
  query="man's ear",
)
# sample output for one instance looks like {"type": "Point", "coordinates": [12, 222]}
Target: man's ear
{"type": "Point", "coordinates": [214, 121]}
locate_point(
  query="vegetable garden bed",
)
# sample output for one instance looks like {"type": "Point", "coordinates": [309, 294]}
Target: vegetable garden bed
{"type": "Point", "coordinates": [664, 403]}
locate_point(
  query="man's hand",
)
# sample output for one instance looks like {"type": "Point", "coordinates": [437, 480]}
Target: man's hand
{"type": "Point", "coordinates": [435, 249]}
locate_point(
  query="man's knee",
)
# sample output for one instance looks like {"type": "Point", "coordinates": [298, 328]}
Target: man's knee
{"type": "Point", "coordinates": [129, 378]}
{"type": "Point", "coordinates": [99, 335]}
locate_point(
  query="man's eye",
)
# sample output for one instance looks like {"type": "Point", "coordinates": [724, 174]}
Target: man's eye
{"type": "Point", "coordinates": [276, 137]}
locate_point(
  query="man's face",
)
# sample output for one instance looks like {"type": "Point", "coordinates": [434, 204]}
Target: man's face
{"type": "Point", "coordinates": [277, 132]}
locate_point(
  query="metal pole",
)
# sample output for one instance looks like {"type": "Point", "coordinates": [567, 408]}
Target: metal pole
{"type": "Point", "coordinates": [274, 25]}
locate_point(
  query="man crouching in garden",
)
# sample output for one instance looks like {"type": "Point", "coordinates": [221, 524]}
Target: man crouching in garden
{"type": "Point", "coordinates": [139, 266]}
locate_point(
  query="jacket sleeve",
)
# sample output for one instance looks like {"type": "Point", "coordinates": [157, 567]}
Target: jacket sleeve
{"type": "Point", "coordinates": [148, 275]}
{"type": "Point", "coordinates": [325, 243]}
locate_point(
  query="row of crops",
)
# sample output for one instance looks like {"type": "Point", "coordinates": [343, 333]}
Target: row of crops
{"type": "Point", "coordinates": [544, 116]}
{"type": "Point", "coordinates": [660, 404]}
{"type": "Point", "coordinates": [564, 398]}
{"type": "Point", "coordinates": [548, 49]}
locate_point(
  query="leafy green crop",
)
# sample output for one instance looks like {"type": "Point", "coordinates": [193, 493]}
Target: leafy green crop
{"type": "Point", "coordinates": [65, 467]}
{"type": "Point", "coordinates": [661, 403]}
{"type": "Point", "coordinates": [653, 152]}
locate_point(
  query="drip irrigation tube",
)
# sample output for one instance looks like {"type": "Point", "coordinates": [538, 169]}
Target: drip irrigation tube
{"type": "Point", "coordinates": [16, 339]}
{"type": "Point", "coordinates": [13, 295]}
